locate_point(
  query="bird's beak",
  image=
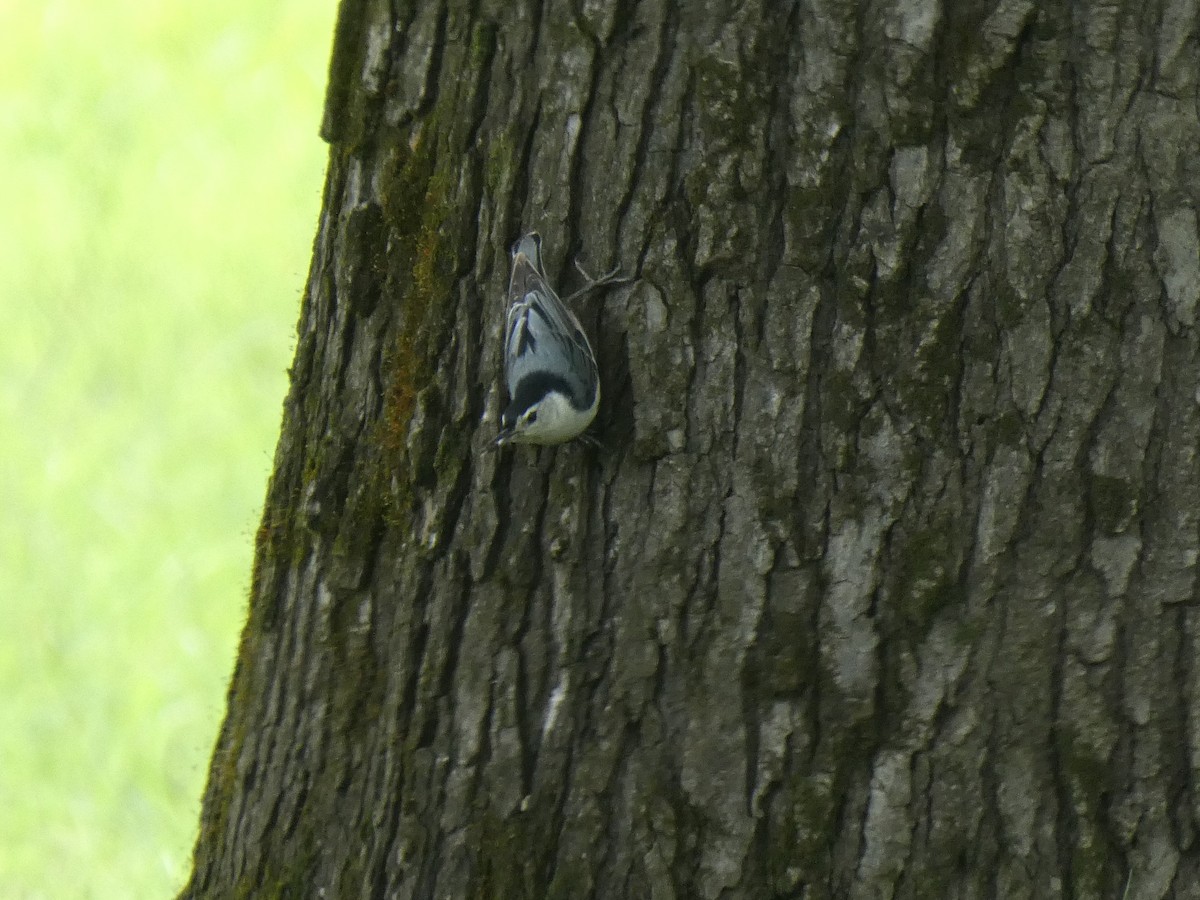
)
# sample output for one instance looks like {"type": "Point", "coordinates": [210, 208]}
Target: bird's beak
{"type": "Point", "coordinates": [504, 437]}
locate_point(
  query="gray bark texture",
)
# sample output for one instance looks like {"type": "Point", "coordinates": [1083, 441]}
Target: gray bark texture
{"type": "Point", "coordinates": [883, 582]}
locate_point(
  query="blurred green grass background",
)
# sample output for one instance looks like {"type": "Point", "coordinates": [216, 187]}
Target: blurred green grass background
{"type": "Point", "coordinates": [160, 178]}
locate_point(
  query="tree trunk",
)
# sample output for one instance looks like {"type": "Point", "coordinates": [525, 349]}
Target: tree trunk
{"type": "Point", "coordinates": [883, 580]}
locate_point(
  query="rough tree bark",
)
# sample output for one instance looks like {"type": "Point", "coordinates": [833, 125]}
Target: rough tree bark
{"type": "Point", "coordinates": [883, 582]}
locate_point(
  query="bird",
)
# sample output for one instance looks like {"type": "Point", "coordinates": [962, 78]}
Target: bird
{"type": "Point", "coordinates": [550, 371]}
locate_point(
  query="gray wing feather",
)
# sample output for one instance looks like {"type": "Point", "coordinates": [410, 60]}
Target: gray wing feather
{"type": "Point", "coordinates": [542, 334]}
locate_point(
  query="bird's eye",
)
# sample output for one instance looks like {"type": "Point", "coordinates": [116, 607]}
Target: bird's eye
{"type": "Point", "coordinates": [532, 417]}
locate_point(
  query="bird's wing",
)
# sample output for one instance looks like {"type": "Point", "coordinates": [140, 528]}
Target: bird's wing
{"type": "Point", "coordinates": [542, 334]}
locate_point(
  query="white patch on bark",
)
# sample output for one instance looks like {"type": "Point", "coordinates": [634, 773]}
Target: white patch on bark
{"type": "Point", "coordinates": [1178, 260]}
{"type": "Point", "coordinates": [557, 695]}
{"type": "Point", "coordinates": [1114, 557]}
{"type": "Point", "coordinates": [375, 60]}
{"type": "Point", "coordinates": [913, 22]}
{"type": "Point", "coordinates": [962, 196]}
{"type": "Point", "coordinates": [998, 512]}
{"type": "Point", "coordinates": [572, 133]}
{"type": "Point", "coordinates": [850, 640]}
{"type": "Point", "coordinates": [888, 830]}
{"type": "Point", "coordinates": [782, 718]}
{"type": "Point", "coordinates": [1018, 796]}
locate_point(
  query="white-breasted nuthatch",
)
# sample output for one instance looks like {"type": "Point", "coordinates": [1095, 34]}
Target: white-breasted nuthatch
{"type": "Point", "coordinates": [549, 367]}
